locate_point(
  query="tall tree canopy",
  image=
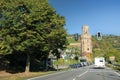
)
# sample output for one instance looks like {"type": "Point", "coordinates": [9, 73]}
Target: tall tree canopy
{"type": "Point", "coordinates": [30, 26]}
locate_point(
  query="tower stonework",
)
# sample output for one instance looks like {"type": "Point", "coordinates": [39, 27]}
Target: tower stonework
{"type": "Point", "coordinates": [86, 42]}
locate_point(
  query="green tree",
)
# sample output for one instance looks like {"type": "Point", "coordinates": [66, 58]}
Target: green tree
{"type": "Point", "coordinates": [108, 46]}
{"type": "Point", "coordinates": [30, 26]}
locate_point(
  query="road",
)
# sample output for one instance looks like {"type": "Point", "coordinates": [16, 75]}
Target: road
{"type": "Point", "coordinates": [83, 73]}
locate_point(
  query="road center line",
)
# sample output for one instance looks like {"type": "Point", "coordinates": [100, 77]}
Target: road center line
{"type": "Point", "coordinates": [100, 71]}
{"type": "Point", "coordinates": [74, 79]}
{"type": "Point", "coordinates": [83, 73]}
{"type": "Point", "coordinates": [117, 73]}
{"type": "Point", "coordinates": [80, 75]}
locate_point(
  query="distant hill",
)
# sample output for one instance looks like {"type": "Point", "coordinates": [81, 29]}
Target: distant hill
{"type": "Point", "coordinates": [71, 38]}
{"type": "Point", "coordinates": [108, 46]}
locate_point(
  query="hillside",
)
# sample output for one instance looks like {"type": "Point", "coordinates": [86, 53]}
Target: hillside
{"type": "Point", "coordinates": [107, 47]}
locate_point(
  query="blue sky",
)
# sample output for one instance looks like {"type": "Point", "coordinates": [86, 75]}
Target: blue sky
{"type": "Point", "coordinates": [99, 15]}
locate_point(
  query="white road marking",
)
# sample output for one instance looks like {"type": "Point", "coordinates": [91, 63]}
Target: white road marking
{"type": "Point", "coordinates": [47, 75]}
{"type": "Point", "coordinates": [83, 73]}
{"type": "Point", "coordinates": [100, 71]}
{"type": "Point", "coordinates": [80, 75]}
{"type": "Point", "coordinates": [74, 79]}
{"type": "Point", "coordinates": [117, 73]}
{"type": "Point", "coordinates": [51, 74]}
{"type": "Point", "coordinates": [106, 72]}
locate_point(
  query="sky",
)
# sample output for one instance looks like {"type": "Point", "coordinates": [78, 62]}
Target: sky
{"type": "Point", "coordinates": [100, 15]}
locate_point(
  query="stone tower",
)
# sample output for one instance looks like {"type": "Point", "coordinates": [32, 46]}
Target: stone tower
{"type": "Point", "coordinates": [86, 43]}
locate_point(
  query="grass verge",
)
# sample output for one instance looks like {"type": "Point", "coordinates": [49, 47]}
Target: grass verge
{"type": "Point", "coordinates": [24, 76]}
{"type": "Point", "coordinates": [21, 76]}
{"type": "Point", "coordinates": [117, 68]}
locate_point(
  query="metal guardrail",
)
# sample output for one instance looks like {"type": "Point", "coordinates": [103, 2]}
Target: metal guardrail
{"type": "Point", "coordinates": [116, 65]}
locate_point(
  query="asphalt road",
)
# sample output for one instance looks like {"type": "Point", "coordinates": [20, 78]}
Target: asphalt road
{"type": "Point", "coordinates": [83, 73]}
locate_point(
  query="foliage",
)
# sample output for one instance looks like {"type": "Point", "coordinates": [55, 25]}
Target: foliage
{"type": "Point", "coordinates": [108, 46]}
{"type": "Point", "coordinates": [76, 58]}
{"type": "Point", "coordinates": [71, 38]}
{"type": "Point", "coordinates": [63, 62]}
{"type": "Point", "coordinates": [30, 27]}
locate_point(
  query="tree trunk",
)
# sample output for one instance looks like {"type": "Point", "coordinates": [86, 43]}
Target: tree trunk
{"type": "Point", "coordinates": [46, 64]}
{"type": "Point", "coordinates": [27, 69]}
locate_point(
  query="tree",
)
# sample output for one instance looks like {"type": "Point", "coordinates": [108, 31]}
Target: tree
{"type": "Point", "coordinates": [27, 26]}
{"type": "Point", "coordinates": [106, 47]}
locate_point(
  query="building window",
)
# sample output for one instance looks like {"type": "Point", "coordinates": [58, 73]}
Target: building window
{"type": "Point", "coordinates": [88, 49]}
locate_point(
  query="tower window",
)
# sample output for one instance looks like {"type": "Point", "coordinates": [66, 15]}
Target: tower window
{"type": "Point", "coordinates": [88, 49]}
